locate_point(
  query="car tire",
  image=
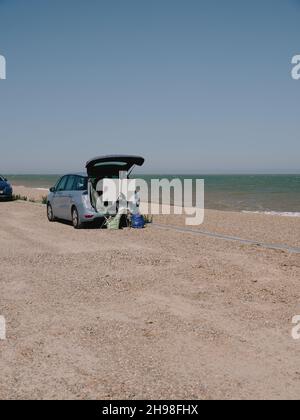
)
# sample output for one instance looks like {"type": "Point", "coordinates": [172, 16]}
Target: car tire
{"type": "Point", "coordinates": [75, 219]}
{"type": "Point", "coordinates": [50, 213]}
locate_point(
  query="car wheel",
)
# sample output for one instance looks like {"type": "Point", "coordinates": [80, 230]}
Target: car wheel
{"type": "Point", "coordinates": [75, 219]}
{"type": "Point", "coordinates": [50, 214]}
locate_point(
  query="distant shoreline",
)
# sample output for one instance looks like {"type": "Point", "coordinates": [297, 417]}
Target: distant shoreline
{"type": "Point", "coordinates": [38, 193]}
{"type": "Point", "coordinates": [256, 193]}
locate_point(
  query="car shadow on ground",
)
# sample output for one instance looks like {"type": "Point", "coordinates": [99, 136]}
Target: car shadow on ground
{"type": "Point", "coordinates": [96, 225]}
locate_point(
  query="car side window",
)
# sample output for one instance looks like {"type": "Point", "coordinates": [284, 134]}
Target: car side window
{"type": "Point", "coordinates": [70, 185]}
{"type": "Point", "coordinates": [80, 183]}
{"type": "Point", "coordinates": [61, 184]}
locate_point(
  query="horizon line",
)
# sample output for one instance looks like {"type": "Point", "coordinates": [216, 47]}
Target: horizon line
{"type": "Point", "coordinates": [167, 173]}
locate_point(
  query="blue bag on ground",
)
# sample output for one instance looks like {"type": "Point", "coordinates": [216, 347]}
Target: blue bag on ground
{"type": "Point", "coordinates": [137, 221]}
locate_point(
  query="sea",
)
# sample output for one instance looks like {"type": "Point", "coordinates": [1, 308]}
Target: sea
{"type": "Point", "coordinates": [270, 194]}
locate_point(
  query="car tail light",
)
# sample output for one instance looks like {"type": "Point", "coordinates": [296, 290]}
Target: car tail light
{"type": "Point", "coordinates": [88, 216]}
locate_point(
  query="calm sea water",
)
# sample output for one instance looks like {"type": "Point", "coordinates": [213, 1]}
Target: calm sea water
{"type": "Point", "coordinates": [271, 193]}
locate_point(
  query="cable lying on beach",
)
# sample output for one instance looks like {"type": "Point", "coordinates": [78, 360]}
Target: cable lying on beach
{"type": "Point", "coordinates": [229, 238]}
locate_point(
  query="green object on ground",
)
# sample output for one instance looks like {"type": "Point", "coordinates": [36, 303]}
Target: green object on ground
{"type": "Point", "coordinates": [113, 223]}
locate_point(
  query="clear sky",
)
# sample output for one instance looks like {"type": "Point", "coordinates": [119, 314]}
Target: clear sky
{"type": "Point", "coordinates": [192, 85]}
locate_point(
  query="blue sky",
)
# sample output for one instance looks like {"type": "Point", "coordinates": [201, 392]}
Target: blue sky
{"type": "Point", "coordinates": [192, 85]}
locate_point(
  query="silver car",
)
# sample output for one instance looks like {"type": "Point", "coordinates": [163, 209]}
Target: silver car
{"type": "Point", "coordinates": [77, 196]}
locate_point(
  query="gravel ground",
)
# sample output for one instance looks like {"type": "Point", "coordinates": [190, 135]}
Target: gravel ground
{"type": "Point", "coordinates": [147, 314]}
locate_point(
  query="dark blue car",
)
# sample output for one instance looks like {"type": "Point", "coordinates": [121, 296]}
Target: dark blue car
{"type": "Point", "coordinates": [5, 189]}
